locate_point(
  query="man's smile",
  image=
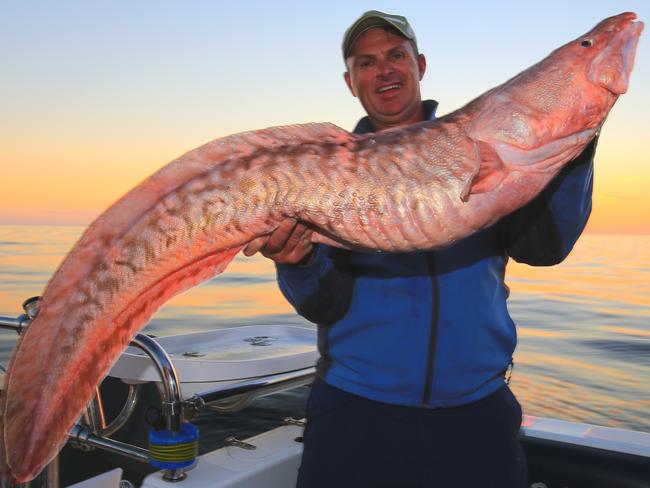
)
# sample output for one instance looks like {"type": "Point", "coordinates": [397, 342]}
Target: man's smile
{"type": "Point", "coordinates": [385, 88]}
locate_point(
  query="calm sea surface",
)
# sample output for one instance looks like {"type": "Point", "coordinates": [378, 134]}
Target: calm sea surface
{"type": "Point", "coordinates": [584, 326]}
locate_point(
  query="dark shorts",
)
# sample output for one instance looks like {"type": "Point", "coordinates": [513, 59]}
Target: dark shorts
{"type": "Point", "coordinates": [353, 442]}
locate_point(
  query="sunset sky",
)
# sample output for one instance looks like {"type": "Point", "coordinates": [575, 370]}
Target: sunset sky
{"type": "Point", "coordinates": [95, 96]}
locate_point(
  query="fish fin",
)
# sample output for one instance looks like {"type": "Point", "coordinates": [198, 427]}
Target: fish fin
{"type": "Point", "coordinates": [546, 157]}
{"type": "Point", "coordinates": [490, 173]}
{"type": "Point", "coordinates": [148, 302]}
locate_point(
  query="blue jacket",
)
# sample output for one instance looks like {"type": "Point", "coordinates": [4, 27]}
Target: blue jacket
{"type": "Point", "coordinates": [432, 328]}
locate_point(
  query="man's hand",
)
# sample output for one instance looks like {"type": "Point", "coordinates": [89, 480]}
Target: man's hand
{"type": "Point", "coordinates": [290, 243]}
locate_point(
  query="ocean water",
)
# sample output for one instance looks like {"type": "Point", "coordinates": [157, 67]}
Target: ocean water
{"type": "Point", "coordinates": [583, 349]}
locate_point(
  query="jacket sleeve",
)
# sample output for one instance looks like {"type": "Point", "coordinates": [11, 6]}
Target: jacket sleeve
{"type": "Point", "coordinates": [320, 291]}
{"type": "Point", "coordinates": [543, 232]}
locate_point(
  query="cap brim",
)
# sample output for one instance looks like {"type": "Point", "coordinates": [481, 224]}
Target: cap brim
{"type": "Point", "coordinates": [368, 23]}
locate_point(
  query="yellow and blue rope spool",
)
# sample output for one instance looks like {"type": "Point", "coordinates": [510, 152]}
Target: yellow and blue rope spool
{"type": "Point", "coordinates": [174, 450]}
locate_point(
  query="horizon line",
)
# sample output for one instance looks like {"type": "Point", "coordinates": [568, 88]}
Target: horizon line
{"type": "Point", "coordinates": [587, 230]}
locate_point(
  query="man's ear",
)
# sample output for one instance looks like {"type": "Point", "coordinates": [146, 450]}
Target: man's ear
{"type": "Point", "coordinates": [422, 65]}
{"type": "Point", "coordinates": [348, 81]}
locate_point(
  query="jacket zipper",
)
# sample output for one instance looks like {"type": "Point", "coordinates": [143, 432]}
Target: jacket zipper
{"type": "Point", "coordinates": [433, 336]}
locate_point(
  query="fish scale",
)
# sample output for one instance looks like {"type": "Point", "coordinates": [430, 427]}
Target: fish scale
{"type": "Point", "coordinates": [419, 187]}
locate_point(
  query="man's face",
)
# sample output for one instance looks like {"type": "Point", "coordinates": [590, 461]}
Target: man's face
{"type": "Point", "coordinates": [384, 73]}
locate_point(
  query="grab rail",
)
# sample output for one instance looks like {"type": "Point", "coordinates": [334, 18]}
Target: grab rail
{"type": "Point", "coordinates": [245, 391]}
{"type": "Point", "coordinates": [16, 324]}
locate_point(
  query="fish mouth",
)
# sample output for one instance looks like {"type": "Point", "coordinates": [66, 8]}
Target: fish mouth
{"type": "Point", "coordinates": [611, 68]}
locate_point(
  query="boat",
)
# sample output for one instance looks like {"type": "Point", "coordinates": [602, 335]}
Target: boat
{"type": "Point", "coordinates": [225, 370]}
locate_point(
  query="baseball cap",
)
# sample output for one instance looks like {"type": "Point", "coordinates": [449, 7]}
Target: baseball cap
{"type": "Point", "coordinates": [375, 18]}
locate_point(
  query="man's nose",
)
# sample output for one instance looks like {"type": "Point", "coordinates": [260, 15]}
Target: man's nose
{"type": "Point", "coordinates": [386, 68]}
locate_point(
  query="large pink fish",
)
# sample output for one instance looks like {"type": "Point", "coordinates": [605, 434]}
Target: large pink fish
{"type": "Point", "coordinates": [420, 187]}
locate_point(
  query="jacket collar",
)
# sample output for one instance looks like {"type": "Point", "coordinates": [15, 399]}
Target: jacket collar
{"type": "Point", "coordinates": [364, 125]}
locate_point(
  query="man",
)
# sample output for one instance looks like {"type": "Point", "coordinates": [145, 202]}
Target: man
{"type": "Point", "coordinates": [410, 389]}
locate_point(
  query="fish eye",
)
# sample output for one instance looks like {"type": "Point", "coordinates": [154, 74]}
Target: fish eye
{"type": "Point", "coordinates": [587, 43]}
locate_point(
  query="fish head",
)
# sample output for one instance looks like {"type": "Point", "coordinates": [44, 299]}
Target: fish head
{"type": "Point", "coordinates": [581, 80]}
{"type": "Point", "coordinates": [547, 114]}
{"type": "Point", "coordinates": [611, 48]}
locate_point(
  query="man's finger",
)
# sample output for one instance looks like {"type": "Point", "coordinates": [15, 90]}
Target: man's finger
{"type": "Point", "coordinates": [294, 239]}
{"type": "Point", "coordinates": [297, 248]}
{"type": "Point", "coordinates": [279, 237]}
{"type": "Point", "coordinates": [255, 245]}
